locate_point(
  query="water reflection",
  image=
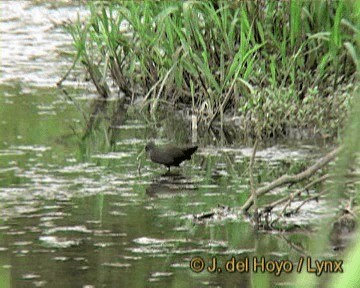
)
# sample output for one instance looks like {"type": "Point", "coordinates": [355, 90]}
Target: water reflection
{"type": "Point", "coordinates": [169, 184]}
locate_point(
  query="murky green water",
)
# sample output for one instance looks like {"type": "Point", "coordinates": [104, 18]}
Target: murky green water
{"type": "Point", "coordinates": [75, 211]}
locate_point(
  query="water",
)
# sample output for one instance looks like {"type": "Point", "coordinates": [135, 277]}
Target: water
{"type": "Point", "coordinates": [76, 211]}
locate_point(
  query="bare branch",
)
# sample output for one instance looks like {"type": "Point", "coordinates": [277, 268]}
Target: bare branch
{"type": "Point", "coordinates": [286, 179]}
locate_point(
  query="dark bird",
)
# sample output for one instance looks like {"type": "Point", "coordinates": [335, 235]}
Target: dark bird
{"type": "Point", "coordinates": [169, 155]}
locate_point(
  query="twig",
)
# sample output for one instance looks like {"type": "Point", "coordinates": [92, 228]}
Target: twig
{"type": "Point", "coordinates": [296, 210]}
{"type": "Point", "coordinates": [297, 248]}
{"type": "Point", "coordinates": [78, 107]}
{"type": "Point", "coordinates": [59, 83]}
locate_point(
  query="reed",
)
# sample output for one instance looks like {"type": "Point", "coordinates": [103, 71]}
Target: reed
{"type": "Point", "coordinates": [216, 57]}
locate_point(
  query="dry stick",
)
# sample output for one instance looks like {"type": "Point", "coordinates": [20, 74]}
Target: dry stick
{"type": "Point", "coordinates": [252, 186]}
{"type": "Point", "coordinates": [222, 105]}
{"type": "Point", "coordinates": [162, 85]}
{"type": "Point", "coordinates": [285, 179]}
{"type": "Point", "coordinates": [272, 205]}
{"type": "Point", "coordinates": [282, 211]}
{"type": "Point", "coordinates": [78, 107]}
{"type": "Point", "coordinates": [117, 74]}
{"type": "Point", "coordinates": [297, 208]}
{"type": "Point", "coordinates": [307, 200]}
{"type": "Point", "coordinates": [297, 248]}
{"type": "Point", "coordinates": [101, 86]}
{"type": "Point", "coordinates": [230, 164]}
{"type": "Point", "coordinates": [59, 83]}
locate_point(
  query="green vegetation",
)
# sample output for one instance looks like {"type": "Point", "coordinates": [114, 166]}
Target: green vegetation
{"type": "Point", "coordinates": [346, 195]}
{"type": "Point", "coordinates": [296, 60]}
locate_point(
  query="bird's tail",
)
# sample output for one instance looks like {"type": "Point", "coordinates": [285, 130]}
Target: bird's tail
{"type": "Point", "coordinates": [189, 151]}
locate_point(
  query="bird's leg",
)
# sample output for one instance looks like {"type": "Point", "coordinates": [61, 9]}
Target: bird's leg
{"type": "Point", "coordinates": [168, 169]}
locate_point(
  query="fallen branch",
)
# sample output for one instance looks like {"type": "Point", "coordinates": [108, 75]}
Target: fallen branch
{"type": "Point", "coordinates": [296, 210]}
{"type": "Point", "coordinates": [315, 197]}
{"type": "Point", "coordinates": [286, 179]}
{"type": "Point", "coordinates": [272, 205]}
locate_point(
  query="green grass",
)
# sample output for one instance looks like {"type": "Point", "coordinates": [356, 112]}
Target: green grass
{"type": "Point", "coordinates": [217, 58]}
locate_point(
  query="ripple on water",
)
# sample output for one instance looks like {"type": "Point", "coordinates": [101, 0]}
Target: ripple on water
{"type": "Point", "coordinates": [276, 153]}
{"type": "Point", "coordinates": [22, 243]}
{"type": "Point", "coordinates": [105, 244]}
{"type": "Point", "coordinates": [130, 126]}
{"type": "Point", "coordinates": [113, 155]}
{"type": "Point", "coordinates": [15, 207]}
{"type": "Point", "coordinates": [58, 242]}
{"type": "Point", "coordinates": [80, 168]}
{"type": "Point", "coordinates": [156, 275]}
{"type": "Point", "coordinates": [155, 252]}
{"type": "Point", "coordinates": [126, 257]}
{"type": "Point", "coordinates": [117, 213]}
{"type": "Point", "coordinates": [108, 233]}
{"type": "Point", "coordinates": [61, 258]}
{"type": "Point", "coordinates": [152, 241]}
{"type": "Point", "coordinates": [180, 265]}
{"type": "Point", "coordinates": [161, 247]}
{"type": "Point", "coordinates": [27, 28]}
{"type": "Point", "coordinates": [116, 265]}
{"type": "Point", "coordinates": [35, 148]}
{"type": "Point", "coordinates": [130, 142]}
{"type": "Point", "coordinates": [79, 228]}
{"type": "Point", "coordinates": [7, 152]}
{"type": "Point", "coordinates": [30, 276]}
